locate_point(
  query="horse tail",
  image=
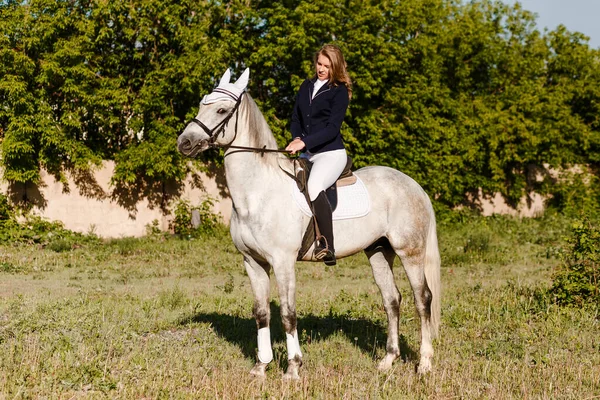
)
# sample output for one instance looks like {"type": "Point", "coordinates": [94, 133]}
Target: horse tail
{"type": "Point", "coordinates": [432, 276]}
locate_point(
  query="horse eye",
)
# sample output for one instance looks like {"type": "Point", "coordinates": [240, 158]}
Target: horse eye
{"type": "Point", "coordinates": [221, 111]}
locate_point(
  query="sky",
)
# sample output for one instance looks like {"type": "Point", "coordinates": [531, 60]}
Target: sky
{"type": "Point", "coordinates": [577, 15]}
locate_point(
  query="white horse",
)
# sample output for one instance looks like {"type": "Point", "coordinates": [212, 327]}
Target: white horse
{"type": "Point", "coordinates": [267, 227]}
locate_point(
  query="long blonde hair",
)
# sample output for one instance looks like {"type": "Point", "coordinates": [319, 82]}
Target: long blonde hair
{"type": "Point", "coordinates": [337, 71]}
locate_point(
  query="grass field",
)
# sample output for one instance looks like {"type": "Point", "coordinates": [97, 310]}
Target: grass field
{"type": "Point", "coordinates": [171, 318]}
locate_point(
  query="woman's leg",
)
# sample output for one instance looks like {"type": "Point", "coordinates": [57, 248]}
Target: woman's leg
{"type": "Point", "coordinates": [326, 169]}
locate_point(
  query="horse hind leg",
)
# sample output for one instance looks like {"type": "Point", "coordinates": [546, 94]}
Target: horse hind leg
{"type": "Point", "coordinates": [414, 267]}
{"type": "Point", "coordinates": [381, 257]}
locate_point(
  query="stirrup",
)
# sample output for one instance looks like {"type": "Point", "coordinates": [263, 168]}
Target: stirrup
{"type": "Point", "coordinates": [329, 259]}
{"type": "Point", "coordinates": [321, 248]}
{"type": "Point", "coordinates": [323, 253]}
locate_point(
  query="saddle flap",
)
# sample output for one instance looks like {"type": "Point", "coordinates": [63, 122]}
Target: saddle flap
{"type": "Point", "coordinates": [347, 172]}
{"type": "Point", "coordinates": [346, 181]}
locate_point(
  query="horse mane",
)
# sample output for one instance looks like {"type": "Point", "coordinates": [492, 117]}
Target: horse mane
{"type": "Point", "coordinates": [259, 132]}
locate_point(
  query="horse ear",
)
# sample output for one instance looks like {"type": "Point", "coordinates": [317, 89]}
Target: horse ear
{"type": "Point", "coordinates": [225, 78]}
{"type": "Point", "coordinates": [242, 81]}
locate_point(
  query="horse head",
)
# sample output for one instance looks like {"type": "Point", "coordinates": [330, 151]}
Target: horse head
{"type": "Point", "coordinates": [209, 127]}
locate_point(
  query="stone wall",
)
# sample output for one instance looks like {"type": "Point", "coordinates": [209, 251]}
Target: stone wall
{"type": "Point", "coordinates": [531, 207]}
{"type": "Point", "coordinates": [89, 203]}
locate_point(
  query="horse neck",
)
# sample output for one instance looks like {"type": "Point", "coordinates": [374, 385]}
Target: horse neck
{"type": "Point", "coordinates": [247, 170]}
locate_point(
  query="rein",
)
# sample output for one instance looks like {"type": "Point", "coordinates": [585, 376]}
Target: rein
{"type": "Point", "coordinates": [261, 150]}
{"type": "Point", "coordinates": [220, 129]}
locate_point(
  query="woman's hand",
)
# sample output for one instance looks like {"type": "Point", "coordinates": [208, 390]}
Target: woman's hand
{"type": "Point", "coordinates": [295, 146]}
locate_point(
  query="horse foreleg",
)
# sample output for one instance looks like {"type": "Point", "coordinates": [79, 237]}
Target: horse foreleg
{"type": "Point", "coordinates": [259, 280]}
{"type": "Point", "coordinates": [414, 267]}
{"type": "Point", "coordinates": [286, 284]}
{"type": "Point", "coordinates": [381, 258]}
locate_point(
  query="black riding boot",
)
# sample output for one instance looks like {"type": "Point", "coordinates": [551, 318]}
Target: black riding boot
{"type": "Point", "coordinates": [324, 249]}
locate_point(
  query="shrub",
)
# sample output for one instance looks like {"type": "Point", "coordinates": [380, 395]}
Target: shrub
{"type": "Point", "coordinates": [34, 229]}
{"type": "Point", "coordinates": [7, 211]}
{"type": "Point", "coordinates": [577, 196]}
{"type": "Point", "coordinates": [60, 245]}
{"type": "Point", "coordinates": [576, 281]}
{"type": "Point", "coordinates": [183, 224]}
{"type": "Point", "coordinates": [126, 246]}
{"type": "Point", "coordinates": [153, 229]}
{"type": "Point", "coordinates": [479, 243]}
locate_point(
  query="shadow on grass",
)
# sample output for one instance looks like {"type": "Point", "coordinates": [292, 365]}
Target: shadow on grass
{"type": "Point", "coordinates": [365, 334]}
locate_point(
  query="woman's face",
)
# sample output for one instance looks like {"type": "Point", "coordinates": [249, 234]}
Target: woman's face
{"type": "Point", "coordinates": [323, 65]}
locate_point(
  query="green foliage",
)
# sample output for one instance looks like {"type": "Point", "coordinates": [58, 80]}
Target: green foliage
{"type": "Point", "coordinates": [7, 211]}
{"type": "Point", "coordinates": [577, 280]}
{"type": "Point", "coordinates": [173, 298]}
{"type": "Point", "coordinates": [10, 268]}
{"type": "Point", "coordinates": [153, 229]}
{"type": "Point", "coordinates": [478, 244]}
{"type": "Point", "coordinates": [475, 240]}
{"type": "Point", "coordinates": [577, 195]}
{"type": "Point", "coordinates": [462, 96]}
{"type": "Point", "coordinates": [124, 246]}
{"type": "Point", "coordinates": [86, 81]}
{"type": "Point", "coordinates": [182, 223]}
{"type": "Point", "coordinates": [208, 222]}
{"type": "Point", "coordinates": [34, 229]}
{"type": "Point", "coordinates": [228, 286]}
{"type": "Point", "coordinates": [60, 245]}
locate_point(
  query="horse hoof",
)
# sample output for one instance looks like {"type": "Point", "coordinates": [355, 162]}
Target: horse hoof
{"type": "Point", "coordinates": [384, 365]}
{"type": "Point", "coordinates": [424, 366]}
{"type": "Point", "coordinates": [258, 371]}
{"type": "Point", "coordinates": [387, 362]}
{"type": "Point", "coordinates": [291, 375]}
{"type": "Point", "coordinates": [292, 369]}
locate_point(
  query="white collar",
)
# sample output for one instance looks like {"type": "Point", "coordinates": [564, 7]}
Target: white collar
{"type": "Point", "coordinates": [318, 85]}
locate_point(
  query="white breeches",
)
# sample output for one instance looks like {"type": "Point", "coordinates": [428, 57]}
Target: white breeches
{"type": "Point", "coordinates": [326, 169]}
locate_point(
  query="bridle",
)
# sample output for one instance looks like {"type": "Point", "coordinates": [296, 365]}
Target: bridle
{"type": "Point", "coordinates": [214, 133]}
{"type": "Point", "coordinates": [220, 129]}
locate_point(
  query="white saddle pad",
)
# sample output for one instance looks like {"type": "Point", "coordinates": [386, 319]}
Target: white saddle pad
{"type": "Point", "coordinates": [353, 201]}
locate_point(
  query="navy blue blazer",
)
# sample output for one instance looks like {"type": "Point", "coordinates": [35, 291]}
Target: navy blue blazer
{"type": "Point", "coordinates": [317, 121]}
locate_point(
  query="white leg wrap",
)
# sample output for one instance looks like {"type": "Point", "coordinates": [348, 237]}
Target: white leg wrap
{"type": "Point", "coordinates": [293, 345]}
{"type": "Point", "coordinates": [265, 352]}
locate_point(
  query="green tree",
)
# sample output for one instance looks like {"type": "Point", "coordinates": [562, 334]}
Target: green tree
{"type": "Point", "coordinates": [466, 97]}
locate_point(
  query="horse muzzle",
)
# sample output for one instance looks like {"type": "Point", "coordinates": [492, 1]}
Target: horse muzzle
{"type": "Point", "coordinates": [190, 147]}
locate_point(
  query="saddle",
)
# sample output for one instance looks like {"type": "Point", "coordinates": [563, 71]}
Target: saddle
{"type": "Point", "coordinates": [347, 178]}
{"type": "Point", "coordinates": [302, 172]}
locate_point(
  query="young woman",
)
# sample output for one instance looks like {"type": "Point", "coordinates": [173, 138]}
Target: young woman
{"type": "Point", "coordinates": [318, 114]}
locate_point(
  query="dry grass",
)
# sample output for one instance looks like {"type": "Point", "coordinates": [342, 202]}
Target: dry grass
{"type": "Point", "coordinates": [172, 319]}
